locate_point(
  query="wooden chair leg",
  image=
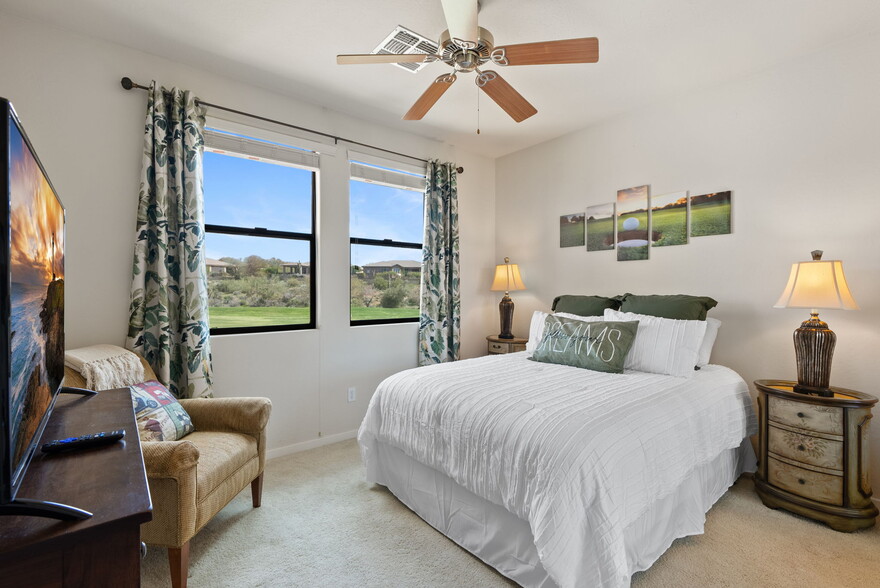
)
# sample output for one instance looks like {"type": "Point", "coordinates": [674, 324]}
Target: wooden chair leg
{"type": "Point", "coordinates": [178, 559]}
{"type": "Point", "coordinates": [257, 490]}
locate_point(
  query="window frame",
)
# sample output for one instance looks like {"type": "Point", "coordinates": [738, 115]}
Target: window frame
{"type": "Point", "coordinates": [271, 233]}
{"type": "Point", "coordinates": [372, 162]}
{"type": "Point", "coordinates": [380, 243]}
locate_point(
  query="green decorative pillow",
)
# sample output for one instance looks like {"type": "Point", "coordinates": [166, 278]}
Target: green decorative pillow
{"type": "Point", "coordinates": [672, 306]}
{"type": "Point", "coordinates": [600, 346]}
{"type": "Point", "coordinates": [159, 415]}
{"type": "Point", "coordinates": [584, 305]}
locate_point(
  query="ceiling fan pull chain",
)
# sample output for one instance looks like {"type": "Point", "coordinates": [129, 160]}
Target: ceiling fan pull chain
{"type": "Point", "coordinates": [478, 111]}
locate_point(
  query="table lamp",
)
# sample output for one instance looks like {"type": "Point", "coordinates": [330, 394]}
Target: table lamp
{"type": "Point", "coordinates": [815, 284]}
{"type": "Point", "coordinates": [507, 278]}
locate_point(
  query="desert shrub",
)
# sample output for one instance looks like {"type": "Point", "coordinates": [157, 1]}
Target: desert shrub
{"type": "Point", "coordinates": [260, 290]}
{"type": "Point", "coordinates": [393, 296]}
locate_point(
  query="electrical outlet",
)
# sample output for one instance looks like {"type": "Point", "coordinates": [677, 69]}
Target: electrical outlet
{"type": "Point", "coordinates": [352, 394]}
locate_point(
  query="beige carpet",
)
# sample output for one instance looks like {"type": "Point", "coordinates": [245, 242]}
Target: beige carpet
{"type": "Point", "coordinates": [321, 525]}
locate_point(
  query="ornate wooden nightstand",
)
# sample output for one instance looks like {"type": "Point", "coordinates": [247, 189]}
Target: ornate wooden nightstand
{"type": "Point", "coordinates": [814, 454]}
{"type": "Point", "coordinates": [498, 345]}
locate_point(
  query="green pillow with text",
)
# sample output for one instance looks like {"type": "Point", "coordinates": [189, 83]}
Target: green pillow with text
{"type": "Point", "coordinates": [600, 346]}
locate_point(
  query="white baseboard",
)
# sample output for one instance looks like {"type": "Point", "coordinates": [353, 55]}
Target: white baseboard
{"type": "Point", "coordinates": [311, 444]}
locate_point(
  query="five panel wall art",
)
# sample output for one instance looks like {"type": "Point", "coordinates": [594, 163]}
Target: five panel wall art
{"type": "Point", "coordinates": [639, 221]}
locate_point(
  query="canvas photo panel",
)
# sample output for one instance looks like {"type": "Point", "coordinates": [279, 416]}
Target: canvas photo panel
{"type": "Point", "coordinates": [571, 230]}
{"type": "Point", "coordinates": [669, 219]}
{"type": "Point", "coordinates": [710, 214]}
{"type": "Point", "coordinates": [632, 223]}
{"type": "Point", "coordinates": [600, 227]}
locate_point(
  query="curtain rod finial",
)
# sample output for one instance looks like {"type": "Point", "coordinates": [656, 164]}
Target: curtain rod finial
{"type": "Point", "coordinates": [127, 83]}
{"type": "Point", "coordinates": [459, 170]}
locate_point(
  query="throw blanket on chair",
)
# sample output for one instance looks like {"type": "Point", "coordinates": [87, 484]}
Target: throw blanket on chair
{"type": "Point", "coordinates": [105, 367]}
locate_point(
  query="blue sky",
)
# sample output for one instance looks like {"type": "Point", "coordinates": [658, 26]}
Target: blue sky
{"type": "Point", "coordinates": [380, 212]}
{"type": "Point", "coordinates": [249, 193]}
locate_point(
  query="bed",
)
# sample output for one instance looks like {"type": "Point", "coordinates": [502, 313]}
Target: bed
{"type": "Point", "coordinates": [556, 475]}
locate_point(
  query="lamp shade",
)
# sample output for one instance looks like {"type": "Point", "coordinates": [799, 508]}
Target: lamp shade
{"type": "Point", "coordinates": [817, 284]}
{"type": "Point", "coordinates": [507, 277]}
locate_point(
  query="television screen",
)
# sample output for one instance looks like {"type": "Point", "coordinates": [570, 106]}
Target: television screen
{"type": "Point", "coordinates": [33, 302]}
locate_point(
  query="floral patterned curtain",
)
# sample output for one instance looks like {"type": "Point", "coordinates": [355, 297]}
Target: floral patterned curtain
{"type": "Point", "coordinates": [168, 314]}
{"type": "Point", "coordinates": [439, 323]}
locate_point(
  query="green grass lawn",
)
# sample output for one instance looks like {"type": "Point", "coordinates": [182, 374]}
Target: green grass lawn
{"type": "Point", "coordinates": [598, 231]}
{"type": "Point", "coordinates": [223, 317]}
{"type": "Point", "coordinates": [571, 235]}
{"type": "Point", "coordinates": [632, 253]}
{"type": "Point", "coordinates": [368, 314]}
{"type": "Point", "coordinates": [710, 219]}
{"type": "Point", "coordinates": [671, 223]}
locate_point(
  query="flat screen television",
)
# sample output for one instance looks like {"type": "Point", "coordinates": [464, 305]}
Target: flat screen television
{"type": "Point", "coordinates": [32, 307]}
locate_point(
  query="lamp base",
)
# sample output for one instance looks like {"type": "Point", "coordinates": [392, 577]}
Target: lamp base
{"type": "Point", "coordinates": [813, 349]}
{"type": "Point", "coordinates": [815, 391]}
{"type": "Point", "coordinates": [505, 309]}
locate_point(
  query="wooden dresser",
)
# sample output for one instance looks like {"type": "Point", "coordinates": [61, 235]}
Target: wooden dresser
{"type": "Point", "coordinates": [109, 481]}
{"type": "Point", "coordinates": [814, 454]}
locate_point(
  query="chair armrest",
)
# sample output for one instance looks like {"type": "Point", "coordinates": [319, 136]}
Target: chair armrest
{"type": "Point", "coordinates": [236, 415]}
{"type": "Point", "coordinates": [169, 459]}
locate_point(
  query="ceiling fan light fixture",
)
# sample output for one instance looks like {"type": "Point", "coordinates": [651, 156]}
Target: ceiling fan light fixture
{"type": "Point", "coordinates": [451, 49]}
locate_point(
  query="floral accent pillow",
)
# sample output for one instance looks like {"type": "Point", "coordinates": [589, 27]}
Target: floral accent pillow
{"type": "Point", "coordinates": [159, 415]}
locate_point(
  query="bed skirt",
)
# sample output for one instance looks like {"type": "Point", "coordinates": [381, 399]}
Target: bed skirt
{"type": "Point", "coordinates": [505, 541]}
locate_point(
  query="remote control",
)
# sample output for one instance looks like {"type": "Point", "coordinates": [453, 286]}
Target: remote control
{"type": "Point", "coordinates": [84, 441]}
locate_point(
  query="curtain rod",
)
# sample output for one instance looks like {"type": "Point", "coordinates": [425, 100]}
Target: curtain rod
{"type": "Point", "coordinates": [128, 84]}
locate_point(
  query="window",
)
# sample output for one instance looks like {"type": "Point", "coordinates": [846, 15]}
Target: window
{"type": "Point", "coordinates": [259, 234]}
{"type": "Point", "coordinates": [386, 229]}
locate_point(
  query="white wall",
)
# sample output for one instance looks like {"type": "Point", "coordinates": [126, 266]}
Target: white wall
{"type": "Point", "coordinates": [88, 131]}
{"type": "Point", "coordinates": [798, 145]}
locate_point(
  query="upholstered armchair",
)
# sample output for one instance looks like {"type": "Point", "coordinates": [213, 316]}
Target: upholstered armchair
{"type": "Point", "coordinates": [193, 478]}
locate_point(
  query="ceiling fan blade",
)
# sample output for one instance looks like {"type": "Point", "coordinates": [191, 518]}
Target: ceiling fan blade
{"type": "Point", "coordinates": [505, 96]}
{"type": "Point", "coordinates": [430, 97]}
{"type": "Point", "coordinates": [461, 19]}
{"type": "Point", "coordinates": [584, 50]}
{"type": "Point", "coordinates": [384, 58]}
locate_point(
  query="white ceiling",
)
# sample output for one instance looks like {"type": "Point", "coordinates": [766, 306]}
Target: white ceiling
{"type": "Point", "coordinates": [649, 50]}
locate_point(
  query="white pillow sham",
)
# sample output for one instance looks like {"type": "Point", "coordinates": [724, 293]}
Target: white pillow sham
{"type": "Point", "coordinates": [536, 327]}
{"type": "Point", "coordinates": [536, 330]}
{"type": "Point", "coordinates": [712, 326]}
{"type": "Point", "coordinates": [662, 346]}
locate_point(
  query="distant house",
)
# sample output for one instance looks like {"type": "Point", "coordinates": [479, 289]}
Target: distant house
{"type": "Point", "coordinates": [215, 266]}
{"type": "Point", "coordinates": [401, 267]}
{"type": "Point", "coordinates": [296, 268]}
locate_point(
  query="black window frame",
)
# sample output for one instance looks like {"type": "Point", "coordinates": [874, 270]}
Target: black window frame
{"type": "Point", "coordinates": [380, 243]}
{"type": "Point", "coordinates": [313, 270]}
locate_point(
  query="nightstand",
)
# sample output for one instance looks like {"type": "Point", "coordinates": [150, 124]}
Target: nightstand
{"type": "Point", "coordinates": [498, 345]}
{"type": "Point", "coordinates": [813, 457]}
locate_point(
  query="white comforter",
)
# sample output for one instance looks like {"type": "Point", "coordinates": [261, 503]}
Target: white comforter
{"type": "Point", "coordinates": [576, 453]}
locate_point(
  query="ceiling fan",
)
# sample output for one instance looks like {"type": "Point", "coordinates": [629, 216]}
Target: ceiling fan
{"type": "Point", "coordinates": [465, 47]}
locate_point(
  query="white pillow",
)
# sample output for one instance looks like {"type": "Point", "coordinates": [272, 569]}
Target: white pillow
{"type": "Point", "coordinates": [536, 330]}
{"type": "Point", "coordinates": [536, 327]}
{"type": "Point", "coordinates": [662, 345]}
{"type": "Point", "coordinates": [712, 326]}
